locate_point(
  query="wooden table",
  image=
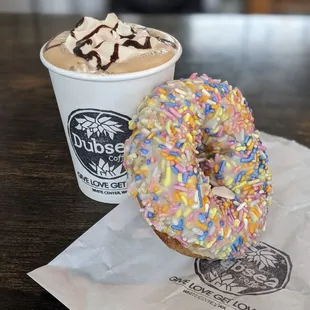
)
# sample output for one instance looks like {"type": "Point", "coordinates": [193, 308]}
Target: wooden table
{"type": "Point", "coordinates": [41, 208]}
{"type": "Point", "coordinates": [277, 6]}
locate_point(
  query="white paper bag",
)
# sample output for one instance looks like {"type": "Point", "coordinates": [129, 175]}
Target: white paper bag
{"type": "Point", "coordinates": [120, 263]}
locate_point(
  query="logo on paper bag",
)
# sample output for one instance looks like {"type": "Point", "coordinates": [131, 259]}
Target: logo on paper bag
{"type": "Point", "coordinates": [263, 270]}
{"type": "Point", "coordinates": [98, 137]}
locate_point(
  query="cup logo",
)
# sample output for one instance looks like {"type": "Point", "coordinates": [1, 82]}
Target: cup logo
{"type": "Point", "coordinates": [263, 270]}
{"type": "Point", "coordinates": [98, 137]}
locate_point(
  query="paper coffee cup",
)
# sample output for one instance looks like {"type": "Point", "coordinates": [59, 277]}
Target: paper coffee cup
{"type": "Point", "coordinates": [95, 110]}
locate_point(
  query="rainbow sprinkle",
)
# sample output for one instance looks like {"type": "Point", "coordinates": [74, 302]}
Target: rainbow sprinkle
{"type": "Point", "coordinates": [196, 162]}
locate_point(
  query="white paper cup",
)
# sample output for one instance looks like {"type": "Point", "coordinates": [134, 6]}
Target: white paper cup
{"type": "Point", "coordinates": [95, 110]}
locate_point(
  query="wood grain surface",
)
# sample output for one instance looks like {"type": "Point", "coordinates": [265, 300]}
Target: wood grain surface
{"type": "Point", "coordinates": [41, 208]}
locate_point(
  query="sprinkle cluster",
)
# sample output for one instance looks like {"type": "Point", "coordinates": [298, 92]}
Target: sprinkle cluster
{"type": "Point", "coordinates": [196, 162]}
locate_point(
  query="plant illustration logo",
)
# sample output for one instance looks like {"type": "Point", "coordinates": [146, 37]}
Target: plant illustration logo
{"type": "Point", "coordinates": [263, 270]}
{"type": "Point", "coordinates": [97, 137]}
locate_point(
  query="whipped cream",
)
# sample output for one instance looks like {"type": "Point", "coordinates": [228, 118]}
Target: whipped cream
{"type": "Point", "coordinates": [102, 43]}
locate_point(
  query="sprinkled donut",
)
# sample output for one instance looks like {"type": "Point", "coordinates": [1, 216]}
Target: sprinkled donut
{"type": "Point", "coordinates": [198, 167]}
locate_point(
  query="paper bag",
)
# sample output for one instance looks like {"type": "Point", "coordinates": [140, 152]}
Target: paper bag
{"type": "Point", "coordinates": [121, 264]}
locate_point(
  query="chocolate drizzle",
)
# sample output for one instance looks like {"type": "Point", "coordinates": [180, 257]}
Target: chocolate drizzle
{"type": "Point", "coordinates": [137, 45]}
{"type": "Point", "coordinates": [114, 57]}
{"type": "Point", "coordinates": [114, 28]}
{"type": "Point", "coordinates": [130, 36]}
{"type": "Point", "coordinates": [130, 42]}
{"type": "Point", "coordinates": [48, 46]}
{"type": "Point", "coordinates": [98, 45]}
{"type": "Point", "coordinates": [167, 42]}
{"type": "Point", "coordinates": [89, 56]}
{"type": "Point", "coordinates": [86, 40]}
{"type": "Point", "coordinates": [92, 33]}
{"type": "Point", "coordinates": [81, 21]}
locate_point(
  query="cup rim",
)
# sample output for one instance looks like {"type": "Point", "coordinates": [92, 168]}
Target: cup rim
{"type": "Point", "coordinates": [115, 77]}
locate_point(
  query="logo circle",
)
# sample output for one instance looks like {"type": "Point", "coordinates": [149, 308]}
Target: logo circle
{"type": "Point", "coordinates": [263, 270]}
{"type": "Point", "coordinates": [97, 138]}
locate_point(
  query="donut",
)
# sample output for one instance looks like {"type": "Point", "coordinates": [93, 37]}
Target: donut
{"type": "Point", "coordinates": [197, 165]}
